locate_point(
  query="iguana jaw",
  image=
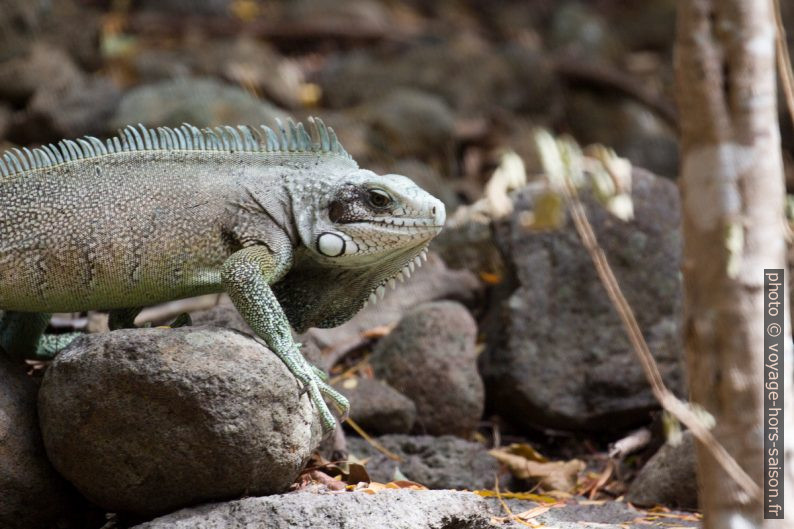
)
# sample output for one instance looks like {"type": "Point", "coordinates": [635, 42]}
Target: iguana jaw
{"type": "Point", "coordinates": [404, 273]}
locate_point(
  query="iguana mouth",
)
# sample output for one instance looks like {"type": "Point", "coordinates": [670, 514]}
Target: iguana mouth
{"type": "Point", "coordinates": [402, 275]}
{"type": "Point", "coordinates": [398, 223]}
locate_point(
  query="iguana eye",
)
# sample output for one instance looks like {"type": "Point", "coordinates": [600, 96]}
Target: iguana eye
{"type": "Point", "coordinates": [378, 198]}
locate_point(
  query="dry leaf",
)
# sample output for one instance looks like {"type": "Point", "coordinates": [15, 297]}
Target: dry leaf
{"type": "Point", "coordinates": [528, 451]}
{"type": "Point", "coordinates": [554, 475]}
{"type": "Point", "coordinates": [526, 496]}
{"type": "Point", "coordinates": [406, 484]}
{"type": "Point", "coordinates": [490, 279]}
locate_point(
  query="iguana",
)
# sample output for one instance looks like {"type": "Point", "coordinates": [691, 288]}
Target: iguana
{"type": "Point", "coordinates": [284, 222]}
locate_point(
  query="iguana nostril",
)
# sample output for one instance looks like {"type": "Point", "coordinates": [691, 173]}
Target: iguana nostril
{"type": "Point", "coordinates": [433, 211]}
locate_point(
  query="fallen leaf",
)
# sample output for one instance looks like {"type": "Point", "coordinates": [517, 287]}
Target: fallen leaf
{"type": "Point", "coordinates": [534, 512]}
{"type": "Point", "coordinates": [553, 475]}
{"type": "Point", "coordinates": [548, 213]}
{"type": "Point", "coordinates": [378, 332]}
{"type": "Point", "coordinates": [527, 496]}
{"type": "Point", "coordinates": [490, 278]}
{"type": "Point", "coordinates": [406, 484]}
{"type": "Point", "coordinates": [528, 451]}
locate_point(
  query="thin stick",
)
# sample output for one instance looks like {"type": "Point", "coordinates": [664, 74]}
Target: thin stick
{"type": "Point", "coordinates": [368, 438]}
{"type": "Point", "coordinates": [561, 172]}
{"type": "Point", "coordinates": [505, 506]}
{"type": "Point", "coordinates": [665, 397]}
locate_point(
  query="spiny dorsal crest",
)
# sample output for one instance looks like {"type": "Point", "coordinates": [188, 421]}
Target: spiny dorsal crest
{"type": "Point", "coordinates": [292, 138]}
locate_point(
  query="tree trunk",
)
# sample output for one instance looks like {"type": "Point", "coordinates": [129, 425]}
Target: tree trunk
{"type": "Point", "coordinates": [733, 197]}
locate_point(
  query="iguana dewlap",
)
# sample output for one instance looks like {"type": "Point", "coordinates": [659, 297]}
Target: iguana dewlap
{"type": "Point", "coordinates": [286, 224]}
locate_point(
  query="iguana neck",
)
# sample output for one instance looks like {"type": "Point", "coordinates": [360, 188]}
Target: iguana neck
{"type": "Point", "coordinates": [313, 294]}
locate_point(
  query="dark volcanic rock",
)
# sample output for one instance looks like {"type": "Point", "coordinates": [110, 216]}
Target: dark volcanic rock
{"type": "Point", "coordinates": [150, 420]}
{"type": "Point", "coordinates": [668, 478]}
{"type": "Point", "coordinates": [445, 462]}
{"type": "Point", "coordinates": [377, 407]}
{"type": "Point", "coordinates": [430, 357]}
{"type": "Point", "coordinates": [558, 355]}
{"type": "Point", "coordinates": [33, 495]}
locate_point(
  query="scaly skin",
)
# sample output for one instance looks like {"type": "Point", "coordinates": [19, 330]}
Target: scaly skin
{"type": "Point", "coordinates": [286, 224]}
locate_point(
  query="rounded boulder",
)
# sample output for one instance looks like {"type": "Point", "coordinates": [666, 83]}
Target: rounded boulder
{"type": "Point", "coordinates": [430, 357]}
{"type": "Point", "coordinates": [146, 421]}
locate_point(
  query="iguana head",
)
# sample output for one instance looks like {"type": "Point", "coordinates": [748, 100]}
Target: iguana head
{"type": "Point", "coordinates": [369, 219]}
{"type": "Point", "coordinates": [366, 231]}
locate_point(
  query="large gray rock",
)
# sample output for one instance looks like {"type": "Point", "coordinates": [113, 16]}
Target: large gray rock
{"type": "Point", "coordinates": [668, 478]}
{"type": "Point", "coordinates": [33, 495]}
{"type": "Point", "coordinates": [200, 102]}
{"type": "Point", "coordinates": [430, 357]}
{"type": "Point", "coordinates": [402, 509]}
{"type": "Point", "coordinates": [150, 420]}
{"type": "Point", "coordinates": [445, 462]}
{"type": "Point", "coordinates": [558, 355]}
{"type": "Point", "coordinates": [388, 509]}
{"type": "Point", "coordinates": [377, 407]}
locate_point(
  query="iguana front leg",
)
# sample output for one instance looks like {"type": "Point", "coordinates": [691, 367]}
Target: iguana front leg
{"type": "Point", "coordinates": [247, 275]}
{"type": "Point", "coordinates": [22, 336]}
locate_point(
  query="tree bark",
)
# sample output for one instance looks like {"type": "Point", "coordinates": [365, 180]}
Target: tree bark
{"type": "Point", "coordinates": [733, 197]}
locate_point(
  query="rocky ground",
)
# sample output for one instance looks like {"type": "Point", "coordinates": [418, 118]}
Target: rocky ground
{"type": "Point", "coordinates": [494, 388]}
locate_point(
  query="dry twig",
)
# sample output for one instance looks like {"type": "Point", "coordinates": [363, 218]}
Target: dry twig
{"type": "Point", "coordinates": [368, 438]}
{"type": "Point", "coordinates": [561, 161]}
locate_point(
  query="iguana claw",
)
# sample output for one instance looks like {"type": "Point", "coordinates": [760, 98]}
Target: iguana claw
{"type": "Point", "coordinates": [314, 382]}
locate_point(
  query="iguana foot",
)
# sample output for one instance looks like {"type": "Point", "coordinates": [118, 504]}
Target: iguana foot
{"type": "Point", "coordinates": [22, 336]}
{"type": "Point", "coordinates": [50, 345]}
{"type": "Point", "coordinates": [320, 373]}
{"type": "Point", "coordinates": [314, 382]}
{"type": "Point", "coordinates": [317, 387]}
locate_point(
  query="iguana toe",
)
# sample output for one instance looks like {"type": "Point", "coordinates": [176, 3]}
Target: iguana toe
{"type": "Point", "coordinates": [320, 373]}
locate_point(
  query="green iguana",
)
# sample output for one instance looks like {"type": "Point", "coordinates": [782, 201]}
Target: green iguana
{"type": "Point", "coordinates": [285, 223]}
